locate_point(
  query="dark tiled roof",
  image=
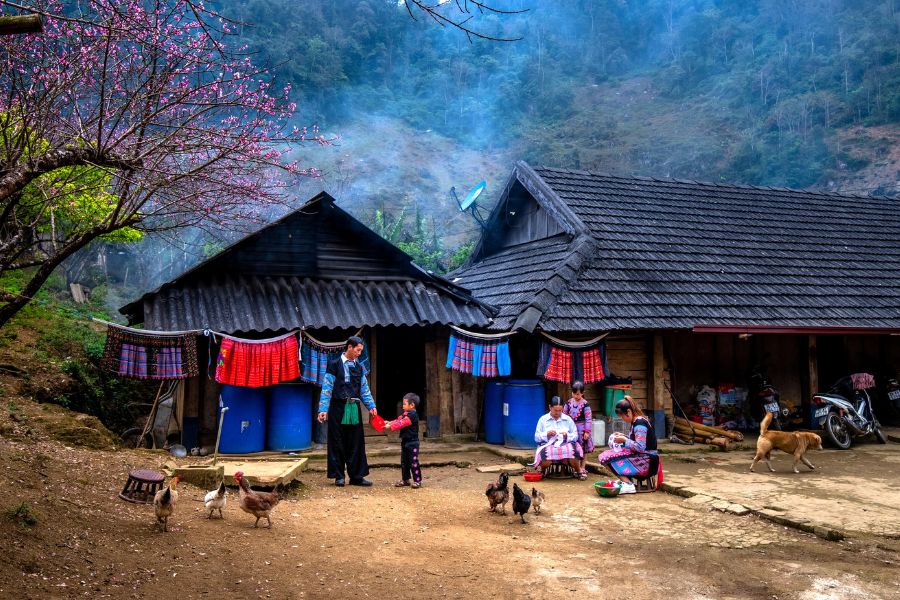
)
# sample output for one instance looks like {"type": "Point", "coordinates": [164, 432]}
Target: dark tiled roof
{"type": "Point", "coordinates": [243, 303]}
{"type": "Point", "coordinates": [512, 279]}
{"type": "Point", "coordinates": [674, 254]}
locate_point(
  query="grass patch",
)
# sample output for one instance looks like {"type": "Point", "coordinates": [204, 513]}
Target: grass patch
{"type": "Point", "coordinates": [22, 514]}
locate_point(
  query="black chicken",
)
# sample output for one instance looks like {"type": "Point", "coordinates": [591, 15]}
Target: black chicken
{"type": "Point", "coordinates": [498, 493]}
{"type": "Point", "coordinates": [521, 502]}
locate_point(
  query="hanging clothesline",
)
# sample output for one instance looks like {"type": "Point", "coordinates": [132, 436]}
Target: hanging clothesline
{"type": "Point", "coordinates": [482, 336]}
{"type": "Point", "coordinates": [146, 331]}
{"type": "Point", "coordinates": [329, 344]}
{"type": "Point", "coordinates": [574, 345]}
{"type": "Point", "coordinates": [214, 334]}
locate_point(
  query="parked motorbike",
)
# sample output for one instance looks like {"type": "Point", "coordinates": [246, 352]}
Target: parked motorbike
{"type": "Point", "coordinates": [845, 413]}
{"type": "Point", "coordinates": [893, 394]}
{"type": "Point", "coordinates": [768, 400]}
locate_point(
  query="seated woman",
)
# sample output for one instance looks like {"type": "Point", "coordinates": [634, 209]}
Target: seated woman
{"type": "Point", "coordinates": [557, 439]}
{"type": "Point", "coordinates": [633, 458]}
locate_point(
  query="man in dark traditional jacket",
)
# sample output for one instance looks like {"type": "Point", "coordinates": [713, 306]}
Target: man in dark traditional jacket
{"type": "Point", "coordinates": [345, 386]}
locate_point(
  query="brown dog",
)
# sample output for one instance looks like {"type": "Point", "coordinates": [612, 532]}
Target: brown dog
{"type": "Point", "coordinates": [793, 442]}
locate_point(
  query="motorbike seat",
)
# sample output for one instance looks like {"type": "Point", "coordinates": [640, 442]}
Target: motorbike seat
{"type": "Point", "coordinates": [833, 396]}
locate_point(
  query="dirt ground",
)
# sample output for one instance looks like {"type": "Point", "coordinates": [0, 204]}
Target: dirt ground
{"type": "Point", "coordinates": [436, 542]}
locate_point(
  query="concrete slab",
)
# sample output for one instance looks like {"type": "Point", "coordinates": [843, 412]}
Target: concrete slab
{"type": "Point", "coordinates": [511, 468]}
{"type": "Point", "coordinates": [267, 471]}
{"type": "Point", "coordinates": [851, 492]}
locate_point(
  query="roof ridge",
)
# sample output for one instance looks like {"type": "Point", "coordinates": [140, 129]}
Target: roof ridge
{"type": "Point", "coordinates": [719, 184]}
{"type": "Point", "coordinates": [546, 296]}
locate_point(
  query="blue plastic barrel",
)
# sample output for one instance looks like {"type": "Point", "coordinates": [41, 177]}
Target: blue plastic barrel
{"type": "Point", "coordinates": [523, 405]}
{"type": "Point", "coordinates": [244, 423]}
{"type": "Point", "coordinates": [494, 392]}
{"type": "Point", "coordinates": [289, 426]}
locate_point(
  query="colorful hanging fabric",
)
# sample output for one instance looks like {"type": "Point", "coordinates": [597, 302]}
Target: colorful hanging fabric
{"type": "Point", "coordinates": [560, 366]}
{"type": "Point", "coordinates": [130, 353]}
{"type": "Point", "coordinates": [251, 363]}
{"type": "Point", "coordinates": [479, 357]}
{"type": "Point", "coordinates": [315, 356]}
{"type": "Point", "coordinates": [570, 364]}
{"type": "Point", "coordinates": [593, 364]}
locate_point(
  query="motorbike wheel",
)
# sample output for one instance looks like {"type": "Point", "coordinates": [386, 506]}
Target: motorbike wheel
{"type": "Point", "coordinates": [837, 432]}
{"type": "Point", "coordinates": [879, 434]}
{"type": "Point", "coordinates": [131, 436]}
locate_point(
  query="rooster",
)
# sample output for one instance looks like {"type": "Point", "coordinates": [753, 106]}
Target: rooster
{"type": "Point", "coordinates": [258, 504]}
{"type": "Point", "coordinates": [521, 502]}
{"type": "Point", "coordinates": [164, 502]}
{"type": "Point", "coordinates": [537, 500]}
{"type": "Point", "coordinates": [498, 493]}
{"type": "Point", "coordinates": [215, 500]}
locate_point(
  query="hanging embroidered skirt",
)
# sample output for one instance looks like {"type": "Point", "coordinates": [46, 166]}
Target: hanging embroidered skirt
{"type": "Point", "coordinates": [593, 366]}
{"type": "Point", "coordinates": [250, 364]}
{"type": "Point", "coordinates": [144, 356]}
{"type": "Point", "coordinates": [560, 366]}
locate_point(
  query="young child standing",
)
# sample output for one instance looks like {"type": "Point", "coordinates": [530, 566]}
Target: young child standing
{"type": "Point", "coordinates": [578, 408]}
{"type": "Point", "coordinates": [408, 424]}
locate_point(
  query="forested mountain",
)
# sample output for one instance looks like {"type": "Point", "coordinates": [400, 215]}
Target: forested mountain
{"type": "Point", "coordinates": [771, 92]}
{"type": "Point", "coordinates": [797, 93]}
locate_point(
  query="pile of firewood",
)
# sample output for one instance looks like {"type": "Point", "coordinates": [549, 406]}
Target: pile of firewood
{"type": "Point", "coordinates": [688, 431]}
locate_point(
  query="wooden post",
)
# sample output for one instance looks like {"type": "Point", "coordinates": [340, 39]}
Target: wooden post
{"type": "Point", "coordinates": [657, 375]}
{"type": "Point", "coordinates": [813, 356]}
{"type": "Point", "coordinates": [448, 422]}
{"type": "Point", "coordinates": [432, 389]}
{"type": "Point", "coordinates": [21, 24]}
{"type": "Point", "coordinates": [373, 362]}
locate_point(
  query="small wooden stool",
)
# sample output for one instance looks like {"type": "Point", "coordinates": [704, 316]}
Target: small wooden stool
{"type": "Point", "coordinates": [559, 470]}
{"type": "Point", "coordinates": [142, 486]}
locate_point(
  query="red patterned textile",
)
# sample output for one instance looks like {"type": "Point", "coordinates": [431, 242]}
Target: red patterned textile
{"type": "Point", "coordinates": [593, 366]}
{"type": "Point", "coordinates": [258, 364]}
{"type": "Point", "coordinates": [560, 367]}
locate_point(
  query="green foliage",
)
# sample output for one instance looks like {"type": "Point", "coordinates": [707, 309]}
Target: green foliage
{"type": "Point", "coordinates": [422, 242]}
{"type": "Point", "coordinates": [68, 342]}
{"type": "Point", "coordinates": [22, 514]}
{"type": "Point", "coordinates": [459, 256]}
{"type": "Point", "coordinates": [72, 200]}
{"type": "Point", "coordinates": [91, 390]}
{"type": "Point", "coordinates": [704, 89]}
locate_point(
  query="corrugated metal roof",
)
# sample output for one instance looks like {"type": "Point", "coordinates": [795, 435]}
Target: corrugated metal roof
{"type": "Point", "coordinates": [234, 303]}
{"type": "Point", "coordinates": [315, 267]}
{"type": "Point", "coordinates": [673, 254]}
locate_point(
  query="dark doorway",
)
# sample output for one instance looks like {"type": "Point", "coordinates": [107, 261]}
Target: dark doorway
{"type": "Point", "coordinates": [400, 364]}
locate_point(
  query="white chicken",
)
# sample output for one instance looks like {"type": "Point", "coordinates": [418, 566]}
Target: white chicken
{"type": "Point", "coordinates": [215, 500]}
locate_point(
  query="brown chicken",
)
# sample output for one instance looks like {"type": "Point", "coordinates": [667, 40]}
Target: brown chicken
{"type": "Point", "coordinates": [258, 504]}
{"type": "Point", "coordinates": [498, 493]}
{"type": "Point", "coordinates": [164, 502]}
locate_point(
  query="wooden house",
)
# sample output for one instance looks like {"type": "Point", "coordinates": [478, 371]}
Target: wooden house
{"type": "Point", "coordinates": [320, 269]}
{"type": "Point", "coordinates": [696, 283]}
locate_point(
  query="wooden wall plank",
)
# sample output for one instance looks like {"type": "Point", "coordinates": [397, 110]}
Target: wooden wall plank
{"type": "Point", "coordinates": [432, 383]}
{"type": "Point", "coordinates": [445, 393]}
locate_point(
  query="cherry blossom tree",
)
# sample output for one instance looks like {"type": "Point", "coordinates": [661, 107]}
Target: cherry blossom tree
{"type": "Point", "coordinates": [132, 116]}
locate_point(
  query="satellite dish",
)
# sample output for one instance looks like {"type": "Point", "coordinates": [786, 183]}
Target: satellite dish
{"type": "Point", "coordinates": [472, 196]}
{"type": "Point", "coordinates": [469, 204]}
